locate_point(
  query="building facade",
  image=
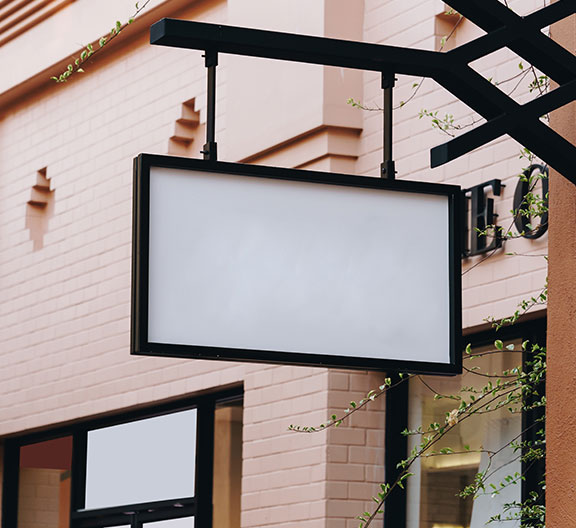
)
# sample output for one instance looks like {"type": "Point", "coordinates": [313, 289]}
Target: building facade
{"type": "Point", "coordinates": [93, 436]}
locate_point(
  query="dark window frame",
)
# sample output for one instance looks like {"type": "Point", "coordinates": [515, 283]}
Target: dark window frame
{"type": "Point", "coordinates": [199, 506]}
{"type": "Point", "coordinates": [396, 445]}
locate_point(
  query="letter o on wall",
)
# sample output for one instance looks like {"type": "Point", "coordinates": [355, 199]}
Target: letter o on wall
{"type": "Point", "coordinates": [525, 186]}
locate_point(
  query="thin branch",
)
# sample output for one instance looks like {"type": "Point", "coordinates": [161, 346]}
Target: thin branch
{"type": "Point", "coordinates": [336, 421]}
{"type": "Point", "coordinates": [519, 82]}
{"type": "Point", "coordinates": [76, 65]}
{"type": "Point", "coordinates": [514, 254]}
{"type": "Point", "coordinates": [488, 375]}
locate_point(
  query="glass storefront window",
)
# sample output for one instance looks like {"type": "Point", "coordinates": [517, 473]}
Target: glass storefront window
{"type": "Point", "coordinates": [178, 465]}
{"type": "Point", "coordinates": [44, 484]}
{"type": "Point", "coordinates": [433, 500]}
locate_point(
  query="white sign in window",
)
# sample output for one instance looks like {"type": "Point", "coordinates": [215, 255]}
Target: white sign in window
{"type": "Point", "coordinates": [142, 461]}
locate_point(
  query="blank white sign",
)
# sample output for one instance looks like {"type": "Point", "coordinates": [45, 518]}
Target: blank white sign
{"type": "Point", "coordinates": [246, 262]}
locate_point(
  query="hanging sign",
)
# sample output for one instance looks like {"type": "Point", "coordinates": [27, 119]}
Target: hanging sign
{"type": "Point", "coordinates": [253, 263]}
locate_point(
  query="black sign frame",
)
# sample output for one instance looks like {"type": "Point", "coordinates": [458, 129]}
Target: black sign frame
{"type": "Point", "coordinates": [140, 344]}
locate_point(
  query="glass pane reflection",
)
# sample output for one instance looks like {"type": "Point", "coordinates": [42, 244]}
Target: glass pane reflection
{"type": "Point", "coordinates": [44, 484]}
{"type": "Point", "coordinates": [143, 461]}
{"type": "Point", "coordinates": [433, 500]}
{"type": "Point", "coordinates": [227, 464]}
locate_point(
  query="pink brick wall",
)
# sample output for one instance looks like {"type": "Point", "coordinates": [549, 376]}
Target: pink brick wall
{"type": "Point", "coordinates": [65, 315]}
{"type": "Point", "coordinates": [356, 449]}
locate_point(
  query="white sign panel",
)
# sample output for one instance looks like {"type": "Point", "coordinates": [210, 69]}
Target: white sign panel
{"type": "Point", "coordinates": [262, 264]}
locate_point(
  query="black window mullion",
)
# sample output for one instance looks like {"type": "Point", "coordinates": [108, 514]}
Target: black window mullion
{"type": "Point", "coordinates": [395, 449]}
{"type": "Point", "coordinates": [141, 515]}
{"type": "Point", "coordinates": [145, 517]}
{"type": "Point", "coordinates": [78, 473]}
{"type": "Point", "coordinates": [204, 463]}
{"type": "Point", "coordinates": [533, 471]}
{"type": "Point", "coordinates": [10, 484]}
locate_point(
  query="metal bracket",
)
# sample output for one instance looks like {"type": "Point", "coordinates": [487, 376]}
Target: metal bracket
{"type": "Point", "coordinates": [451, 69]}
{"type": "Point", "coordinates": [388, 169]}
{"type": "Point", "coordinates": [210, 149]}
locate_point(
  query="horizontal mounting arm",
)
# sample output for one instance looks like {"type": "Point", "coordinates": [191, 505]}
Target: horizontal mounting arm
{"type": "Point", "coordinates": [451, 70]}
{"type": "Point", "coordinates": [296, 48]}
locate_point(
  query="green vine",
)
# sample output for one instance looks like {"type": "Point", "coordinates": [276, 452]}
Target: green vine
{"type": "Point", "coordinates": [514, 390]}
{"type": "Point", "coordinates": [76, 66]}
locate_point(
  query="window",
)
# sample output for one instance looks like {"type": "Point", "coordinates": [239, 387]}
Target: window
{"type": "Point", "coordinates": [151, 460]}
{"type": "Point", "coordinates": [432, 500]}
{"type": "Point", "coordinates": [44, 483]}
{"type": "Point", "coordinates": [157, 468]}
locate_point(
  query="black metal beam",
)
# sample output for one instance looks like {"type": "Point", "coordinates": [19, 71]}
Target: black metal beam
{"type": "Point", "coordinates": [537, 137]}
{"type": "Point", "coordinates": [477, 92]}
{"type": "Point", "coordinates": [524, 37]}
{"type": "Point", "coordinates": [502, 36]}
{"type": "Point", "coordinates": [520, 122]}
{"type": "Point", "coordinates": [492, 14]}
{"type": "Point", "coordinates": [552, 13]}
{"type": "Point", "coordinates": [451, 70]}
{"type": "Point", "coordinates": [522, 116]}
{"type": "Point", "coordinates": [298, 48]}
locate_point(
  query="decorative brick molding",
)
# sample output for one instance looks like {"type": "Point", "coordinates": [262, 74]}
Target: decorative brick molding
{"type": "Point", "coordinates": [39, 209]}
{"type": "Point", "coordinates": [186, 130]}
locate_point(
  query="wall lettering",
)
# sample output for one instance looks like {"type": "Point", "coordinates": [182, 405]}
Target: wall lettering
{"type": "Point", "coordinates": [479, 213]}
{"type": "Point", "coordinates": [526, 185]}
{"type": "Point", "coordinates": [482, 215]}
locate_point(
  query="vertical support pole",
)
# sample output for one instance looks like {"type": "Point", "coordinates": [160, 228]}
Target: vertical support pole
{"type": "Point", "coordinates": [396, 450]}
{"type": "Point", "coordinates": [210, 149]}
{"type": "Point", "coordinates": [387, 169]}
{"type": "Point", "coordinates": [78, 483]}
{"type": "Point", "coordinates": [11, 475]}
